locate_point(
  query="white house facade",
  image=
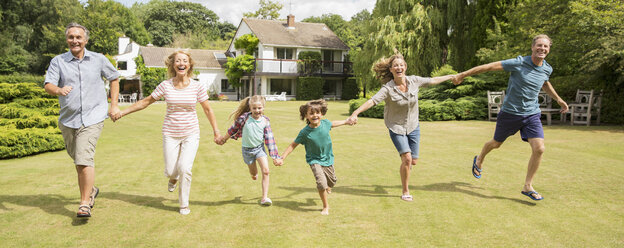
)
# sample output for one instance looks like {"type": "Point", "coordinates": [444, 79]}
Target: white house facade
{"type": "Point", "coordinates": [280, 43]}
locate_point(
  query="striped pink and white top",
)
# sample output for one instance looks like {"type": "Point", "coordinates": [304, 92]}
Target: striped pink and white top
{"type": "Point", "coordinates": [181, 118]}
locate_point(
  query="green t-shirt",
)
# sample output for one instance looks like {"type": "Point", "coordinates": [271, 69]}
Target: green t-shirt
{"type": "Point", "coordinates": [318, 144]}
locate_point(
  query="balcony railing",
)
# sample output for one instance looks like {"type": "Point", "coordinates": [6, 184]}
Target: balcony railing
{"type": "Point", "coordinates": [292, 66]}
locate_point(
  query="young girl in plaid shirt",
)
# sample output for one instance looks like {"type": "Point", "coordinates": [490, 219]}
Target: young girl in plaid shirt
{"type": "Point", "coordinates": [253, 126]}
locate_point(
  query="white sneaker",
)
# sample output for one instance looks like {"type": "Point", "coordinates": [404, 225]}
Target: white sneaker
{"type": "Point", "coordinates": [171, 186]}
{"type": "Point", "coordinates": [185, 211]}
{"type": "Point", "coordinates": [266, 202]}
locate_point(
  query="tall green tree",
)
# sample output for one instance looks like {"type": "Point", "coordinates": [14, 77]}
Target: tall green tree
{"type": "Point", "coordinates": [268, 10]}
{"type": "Point", "coordinates": [164, 18]}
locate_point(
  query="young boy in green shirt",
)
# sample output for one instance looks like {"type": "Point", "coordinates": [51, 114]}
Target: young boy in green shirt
{"type": "Point", "coordinates": [318, 145]}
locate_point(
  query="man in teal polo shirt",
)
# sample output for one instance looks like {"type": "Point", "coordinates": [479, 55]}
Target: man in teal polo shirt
{"type": "Point", "coordinates": [520, 110]}
{"type": "Point", "coordinates": [76, 78]}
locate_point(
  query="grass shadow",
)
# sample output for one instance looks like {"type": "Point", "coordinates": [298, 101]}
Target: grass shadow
{"type": "Point", "coordinates": [50, 203]}
{"type": "Point", "coordinates": [381, 190]}
{"type": "Point", "coordinates": [139, 200]}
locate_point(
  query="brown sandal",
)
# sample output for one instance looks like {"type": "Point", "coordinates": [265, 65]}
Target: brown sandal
{"type": "Point", "coordinates": [84, 211]}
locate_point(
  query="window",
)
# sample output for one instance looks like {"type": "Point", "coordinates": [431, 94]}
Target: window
{"type": "Point", "coordinates": [226, 86]}
{"type": "Point", "coordinates": [122, 65]}
{"type": "Point", "coordinates": [284, 53]}
{"type": "Point", "coordinates": [281, 85]}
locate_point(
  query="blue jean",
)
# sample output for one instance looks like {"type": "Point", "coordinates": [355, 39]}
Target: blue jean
{"type": "Point", "coordinates": [407, 143]}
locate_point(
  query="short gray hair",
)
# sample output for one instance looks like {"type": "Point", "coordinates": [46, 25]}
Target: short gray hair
{"type": "Point", "coordinates": [541, 36]}
{"type": "Point", "coordinates": [76, 25]}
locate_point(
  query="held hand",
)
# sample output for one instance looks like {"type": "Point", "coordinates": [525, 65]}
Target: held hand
{"type": "Point", "coordinates": [564, 106]}
{"type": "Point", "coordinates": [64, 91]}
{"type": "Point", "coordinates": [114, 113]}
{"type": "Point", "coordinates": [457, 79]}
{"type": "Point", "coordinates": [352, 120]}
{"type": "Point", "coordinates": [278, 162]}
{"type": "Point", "coordinates": [217, 139]}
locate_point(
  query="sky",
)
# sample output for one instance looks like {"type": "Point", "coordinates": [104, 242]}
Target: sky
{"type": "Point", "coordinates": [232, 10]}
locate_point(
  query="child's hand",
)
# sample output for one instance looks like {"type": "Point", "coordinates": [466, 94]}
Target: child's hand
{"type": "Point", "coordinates": [278, 162]}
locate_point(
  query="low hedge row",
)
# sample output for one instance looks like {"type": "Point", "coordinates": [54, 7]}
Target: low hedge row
{"type": "Point", "coordinates": [465, 108]}
{"type": "Point", "coordinates": [15, 143]}
{"type": "Point", "coordinates": [28, 120]}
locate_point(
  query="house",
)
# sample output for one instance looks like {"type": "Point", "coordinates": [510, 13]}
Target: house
{"type": "Point", "coordinates": [208, 67]}
{"type": "Point", "coordinates": [280, 43]}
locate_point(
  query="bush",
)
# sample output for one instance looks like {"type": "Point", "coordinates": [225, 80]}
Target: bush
{"type": "Point", "coordinates": [373, 112]}
{"type": "Point", "coordinates": [466, 108]}
{"type": "Point", "coordinates": [15, 143]}
{"type": "Point", "coordinates": [309, 88]}
{"type": "Point", "coordinates": [150, 77]}
{"type": "Point", "coordinates": [350, 89]}
{"type": "Point", "coordinates": [22, 78]}
{"type": "Point", "coordinates": [28, 120]}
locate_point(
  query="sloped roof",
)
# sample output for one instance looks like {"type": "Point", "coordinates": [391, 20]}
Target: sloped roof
{"type": "Point", "coordinates": [156, 56]}
{"type": "Point", "coordinates": [317, 35]}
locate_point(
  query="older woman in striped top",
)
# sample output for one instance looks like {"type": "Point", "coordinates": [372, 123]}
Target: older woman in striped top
{"type": "Point", "coordinates": [181, 127]}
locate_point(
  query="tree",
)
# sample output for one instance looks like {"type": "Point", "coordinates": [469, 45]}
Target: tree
{"type": "Point", "coordinates": [165, 18]}
{"type": "Point", "coordinates": [268, 10]}
{"type": "Point", "coordinates": [249, 42]}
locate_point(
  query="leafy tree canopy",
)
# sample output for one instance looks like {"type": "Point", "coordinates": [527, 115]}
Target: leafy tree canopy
{"type": "Point", "coordinates": [268, 10]}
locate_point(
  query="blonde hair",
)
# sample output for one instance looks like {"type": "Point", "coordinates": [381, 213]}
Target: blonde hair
{"type": "Point", "coordinates": [316, 106]}
{"type": "Point", "coordinates": [383, 65]}
{"type": "Point", "coordinates": [243, 107]}
{"type": "Point", "coordinates": [170, 62]}
{"type": "Point", "coordinates": [541, 36]}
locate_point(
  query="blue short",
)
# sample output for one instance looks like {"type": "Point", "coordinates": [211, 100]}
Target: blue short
{"type": "Point", "coordinates": [507, 124]}
{"type": "Point", "coordinates": [251, 154]}
{"type": "Point", "coordinates": [407, 143]}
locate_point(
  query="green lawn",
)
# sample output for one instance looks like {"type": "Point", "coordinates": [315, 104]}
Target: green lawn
{"type": "Point", "coordinates": [581, 178]}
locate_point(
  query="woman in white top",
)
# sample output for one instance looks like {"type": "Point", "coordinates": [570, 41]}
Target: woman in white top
{"type": "Point", "coordinates": [400, 93]}
{"type": "Point", "coordinates": [181, 127]}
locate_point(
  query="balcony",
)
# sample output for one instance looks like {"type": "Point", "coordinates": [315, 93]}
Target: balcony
{"type": "Point", "coordinates": [299, 67]}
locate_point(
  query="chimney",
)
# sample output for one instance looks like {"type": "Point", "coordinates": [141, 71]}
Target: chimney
{"type": "Point", "coordinates": [291, 21]}
{"type": "Point", "coordinates": [123, 44]}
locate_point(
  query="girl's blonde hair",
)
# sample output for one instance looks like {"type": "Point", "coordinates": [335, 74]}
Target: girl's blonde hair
{"type": "Point", "coordinates": [170, 62]}
{"type": "Point", "coordinates": [316, 106]}
{"type": "Point", "coordinates": [243, 107]}
{"type": "Point", "coordinates": [383, 65]}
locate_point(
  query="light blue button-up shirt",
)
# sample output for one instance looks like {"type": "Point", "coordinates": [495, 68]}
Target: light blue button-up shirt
{"type": "Point", "coordinates": [87, 103]}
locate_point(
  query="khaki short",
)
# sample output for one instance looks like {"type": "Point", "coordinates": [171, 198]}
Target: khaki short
{"type": "Point", "coordinates": [325, 176]}
{"type": "Point", "coordinates": [80, 143]}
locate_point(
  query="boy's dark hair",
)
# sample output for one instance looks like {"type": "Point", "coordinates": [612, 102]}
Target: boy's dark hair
{"type": "Point", "coordinates": [315, 106]}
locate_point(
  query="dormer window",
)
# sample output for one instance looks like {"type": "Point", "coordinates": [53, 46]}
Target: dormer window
{"type": "Point", "coordinates": [284, 53]}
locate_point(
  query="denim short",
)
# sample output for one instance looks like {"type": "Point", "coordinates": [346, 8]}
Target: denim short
{"type": "Point", "coordinates": [507, 124]}
{"type": "Point", "coordinates": [407, 143]}
{"type": "Point", "coordinates": [251, 154]}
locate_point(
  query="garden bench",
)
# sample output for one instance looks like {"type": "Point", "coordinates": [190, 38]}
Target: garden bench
{"type": "Point", "coordinates": [274, 97]}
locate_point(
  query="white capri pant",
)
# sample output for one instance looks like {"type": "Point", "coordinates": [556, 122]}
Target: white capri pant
{"type": "Point", "coordinates": [179, 157]}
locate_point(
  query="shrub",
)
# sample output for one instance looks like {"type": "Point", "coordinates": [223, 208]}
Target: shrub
{"type": "Point", "coordinates": [150, 77]}
{"type": "Point", "coordinates": [15, 143]}
{"type": "Point", "coordinates": [373, 112]}
{"type": "Point", "coordinates": [309, 88]}
{"type": "Point", "coordinates": [22, 78]}
{"type": "Point", "coordinates": [350, 89]}
{"type": "Point", "coordinates": [28, 120]}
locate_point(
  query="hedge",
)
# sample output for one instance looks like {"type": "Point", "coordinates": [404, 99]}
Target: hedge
{"type": "Point", "coordinates": [309, 88]}
{"type": "Point", "coordinates": [15, 143]}
{"type": "Point", "coordinates": [465, 108]}
{"type": "Point", "coordinates": [22, 78]}
{"type": "Point", "coordinates": [28, 123]}
{"type": "Point", "coordinates": [350, 89]}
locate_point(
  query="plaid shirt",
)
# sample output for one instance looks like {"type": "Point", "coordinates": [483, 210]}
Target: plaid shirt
{"type": "Point", "coordinates": [236, 131]}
